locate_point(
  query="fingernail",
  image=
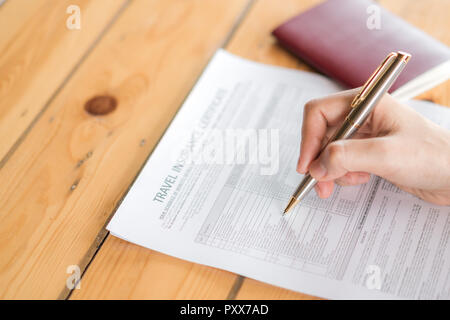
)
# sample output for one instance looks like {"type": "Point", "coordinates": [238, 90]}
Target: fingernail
{"type": "Point", "coordinates": [318, 190]}
{"type": "Point", "coordinates": [318, 170]}
{"type": "Point", "coordinates": [300, 166]}
{"type": "Point", "coordinates": [300, 169]}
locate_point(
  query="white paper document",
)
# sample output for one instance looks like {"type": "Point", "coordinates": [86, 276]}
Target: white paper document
{"type": "Point", "coordinates": [365, 242]}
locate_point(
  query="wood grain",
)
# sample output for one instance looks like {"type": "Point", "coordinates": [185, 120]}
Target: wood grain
{"type": "Point", "coordinates": [252, 35]}
{"type": "Point", "coordinates": [66, 177]}
{"type": "Point", "coordinates": [255, 290]}
{"type": "Point", "coordinates": [38, 52]}
{"type": "Point", "coordinates": [70, 172]}
{"type": "Point", "coordinates": [123, 270]}
{"type": "Point", "coordinates": [251, 40]}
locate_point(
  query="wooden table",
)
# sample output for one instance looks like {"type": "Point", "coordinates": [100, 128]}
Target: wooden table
{"type": "Point", "coordinates": [64, 170]}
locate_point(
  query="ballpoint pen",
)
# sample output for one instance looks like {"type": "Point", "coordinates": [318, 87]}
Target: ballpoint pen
{"type": "Point", "coordinates": [361, 106]}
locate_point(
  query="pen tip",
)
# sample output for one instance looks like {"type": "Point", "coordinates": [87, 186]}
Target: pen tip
{"type": "Point", "coordinates": [291, 204]}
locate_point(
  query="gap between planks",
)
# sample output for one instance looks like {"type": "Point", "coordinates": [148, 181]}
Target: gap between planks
{"type": "Point", "coordinates": [103, 233]}
{"type": "Point", "coordinates": [91, 48]}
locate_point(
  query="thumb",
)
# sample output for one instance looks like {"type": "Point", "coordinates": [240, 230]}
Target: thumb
{"type": "Point", "coordinates": [343, 156]}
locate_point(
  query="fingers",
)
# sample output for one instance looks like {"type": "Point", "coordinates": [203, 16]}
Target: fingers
{"type": "Point", "coordinates": [317, 117]}
{"type": "Point", "coordinates": [324, 189]}
{"type": "Point", "coordinates": [321, 115]}
{"type": "Point", "coordinates": [373, 155]}
{"type": "Point", "coordinates": [348, 162]}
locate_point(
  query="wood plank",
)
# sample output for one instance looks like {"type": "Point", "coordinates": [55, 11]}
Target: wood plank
{"type": "Point", "coordinates": [127, 271]}
{"type": "Point", "coordinates": [255, 290]}
{"type": "Point", "coordinates": [38, 53]}
{"type": "Point", "coordinates": [88, 160]}
{"type": "Point", "coordinates": [251, 34]}
{"type": "Point", "coordinates": [62, 183]}
{"type": "Point", "coordinates": [252, 40]}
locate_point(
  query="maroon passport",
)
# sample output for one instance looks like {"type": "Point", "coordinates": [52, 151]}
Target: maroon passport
{"type": "Point", "coordinates": [348, 39]}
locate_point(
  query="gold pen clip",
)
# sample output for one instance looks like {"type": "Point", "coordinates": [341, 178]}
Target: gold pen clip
{"type": "Point", "coordinates": [374, 79]}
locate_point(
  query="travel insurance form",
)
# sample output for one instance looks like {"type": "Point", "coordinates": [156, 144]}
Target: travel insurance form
{"type": "Point", "coordinates": [372, 241]}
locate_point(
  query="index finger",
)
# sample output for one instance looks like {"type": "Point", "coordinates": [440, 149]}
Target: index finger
{"type": "Point", "coordinates": [318, 115]}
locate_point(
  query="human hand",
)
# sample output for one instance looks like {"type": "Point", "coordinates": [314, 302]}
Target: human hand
{"type": "Point", "coordinates": [395, 143]}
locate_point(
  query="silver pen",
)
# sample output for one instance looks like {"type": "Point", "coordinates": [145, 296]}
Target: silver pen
{"type": "Point", "coordinates": [361, 106]}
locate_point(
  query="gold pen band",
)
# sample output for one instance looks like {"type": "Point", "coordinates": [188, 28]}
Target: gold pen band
{"type": "Point", "coordinates": [357, 126]}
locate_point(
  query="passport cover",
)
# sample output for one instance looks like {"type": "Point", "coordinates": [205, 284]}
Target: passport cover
{"type": "Point", "coordinates": [334, 38]}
